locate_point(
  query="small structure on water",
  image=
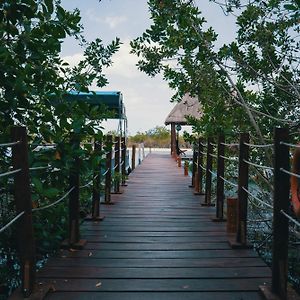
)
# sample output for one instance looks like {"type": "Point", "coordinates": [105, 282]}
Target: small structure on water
{"type": "Point", "coordinates": [188, 106]}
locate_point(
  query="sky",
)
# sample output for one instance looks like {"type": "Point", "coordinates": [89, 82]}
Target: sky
{"type": "Point", "coordinates": [147, 100]}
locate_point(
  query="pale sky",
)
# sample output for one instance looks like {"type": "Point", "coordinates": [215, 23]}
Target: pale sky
{"type": "Point", "coordinates": [147, 100]}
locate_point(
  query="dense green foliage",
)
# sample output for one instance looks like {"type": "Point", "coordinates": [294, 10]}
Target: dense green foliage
{"type": "Point", "coordinates": [251, 83]}
{"type": "Point", "coordinates": [158, 137]}
{"type": "Point", "coordinates": [33, 80]}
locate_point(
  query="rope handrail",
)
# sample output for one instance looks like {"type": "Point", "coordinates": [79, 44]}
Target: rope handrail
{"type": "Point", "coordinates": [290, 218]}
{"type": "Point", "coordinates": [106, 171]}
{"type": "Point", "coordinates": [229, 182]}
{"type": "Point", "coordinates": [12, 221]}
{"type": "Point", "coordinates": [39, 168]}
{"type": "Point", "coordinates": [257, 165]}
{"type": "Point", "coordinates": [259, 220]}
{"type": "Point", "coordinates": [203, 153]}
{"type": "Point", "coordinates": [256, 198]}
{"type": "Point", "coordinates": [116, 166]}
{"type": "Point", "coordinates": [203, 145]}
{"type": "Point", "coordinates": [290, 145]}
{"type": "Point", "coordinates": [10, 173]}
{"type": "Point", "coordinates": [289, 173]}
{"type": "Point", "coordinates": [213, 173]}
{"type": "Point", "coordinates": [235, 159]}
{"type": "Point", "coordinates": [54, 203]}
{"type": "Point", "coordinates": [259, 146]}
{"type": "Point", "coordinates": [202, 167]}
{"type": "Point", "coordinates": [9, 144]}
{"type": "Point", "coordinates": [230, 145]}
{"type": "Point", "coordinates": [89, 183]}
{"type": "Point", "coordinates": [122, 163]}
{"type": "Point", "coordinates": [213, 155]}
{"type": "Point", "coordinates": [214, 144]}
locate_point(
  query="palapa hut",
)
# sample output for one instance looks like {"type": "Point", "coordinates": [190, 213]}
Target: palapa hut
{"type": "Point", "coordinates": [188, 106]}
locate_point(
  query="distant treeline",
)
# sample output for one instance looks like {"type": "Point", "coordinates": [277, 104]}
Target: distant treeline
{"type": "Point", "coordinates": [158, 137]}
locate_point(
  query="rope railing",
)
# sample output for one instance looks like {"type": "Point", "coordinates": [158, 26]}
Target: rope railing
{"type": "Point", "coordinates": [230, 145]}
{"type": "Point", "coordinates": [23, 200]}
{"type": "Point", "coordinates": [290, 218]}
{"type": "Point", "coordinates": [54, 203]}
{"type": "Point", "coordinates": [229, 182]}
{"type": "Point", "coordinates": [16, 218]}
{"type": "Point", "coordinates": [289, 173]}
{"type": "Point", "coordinates": [235, 159]}
{"type": "Point", "coordinates": [290, 145]}
{"type": "Point", "coordinates": [106, 171]}
{"type": "Point", "coordinates": [40, 168]}
{"type": "Point", "coordinates": [9, 173]}
{"type": "Point", "coordinates": [259, 146]}
{"type": "Point", "coordinates": [89, 183]}
{"type": "Point", "coordinates": [257, 199]}
{"type": "Point", "coordinates": [257, 165]}
{"type": "Point", "coordinates": [9, 144]}
{"type": "Point", "coordinates": [213, 155]}
{"type": "Point", "coordinates": [261, 204]}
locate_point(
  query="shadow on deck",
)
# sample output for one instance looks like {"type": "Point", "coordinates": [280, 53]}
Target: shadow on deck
{"type": "Point", "coordinates": [157, 242]}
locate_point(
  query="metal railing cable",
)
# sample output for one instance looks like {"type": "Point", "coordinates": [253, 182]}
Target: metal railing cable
{"type": "Point", "coordinates": [289, 173]}
{"type": "Point", "coordinates": [10, 172]}
{"type": "Point", "coordinates": [12, 221]}
{"type": "Point", "coordinates": [54, 203]}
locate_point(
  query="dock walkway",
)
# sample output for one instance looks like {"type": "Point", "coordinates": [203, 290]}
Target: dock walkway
{"type": "Point", "coordinates": [156, 243]}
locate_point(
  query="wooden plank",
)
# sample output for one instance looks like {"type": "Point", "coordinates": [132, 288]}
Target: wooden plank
{"type": "Point", "coordinates": [154, 295]}
{"type": "Point", "coordinates": [151, 263]}
{"type": "Point", "coordinates": [162, 285]}
{"type": "Point", "coordinates": [106, 254]}
{"type": "Point", "coordinates": [156, 242]}
{"type": "Point", "coordinates": [154, 273]}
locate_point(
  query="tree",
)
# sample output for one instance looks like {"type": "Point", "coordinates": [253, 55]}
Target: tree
{"type": "Point", "coordinates": [177, 45]}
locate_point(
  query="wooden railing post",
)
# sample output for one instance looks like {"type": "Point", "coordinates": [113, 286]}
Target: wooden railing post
{"type": "Point", "coordinates": [220, 182]}
{"type": "Point", "coordinates": [117, 168]}
{"type": "Point", "coordinates": [194, 165]}
{"type": "Point", "coordinates": [124, 149]}
{"type": "Point", "coordinates": [133, 157]}
{"type": "Point", "coordinates": [241, 234]}
{"type": "Point", "coordinates": [280, 222]}
{"type": "Point", "coordinates": [74, 240]}
{"type": "Point", "coordinates": [108, 147]}
{"type": "Point", "coordinates": [208, 176]}
{"type": "Point", "coordinates": [96, 186]}
{"type": "Point", "coordinates": [26, 242]}
{"type": "Point", "coordinates": [199, 177]}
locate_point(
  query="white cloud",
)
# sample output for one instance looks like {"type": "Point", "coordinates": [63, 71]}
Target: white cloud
{"type": "Point", "coordinates": [112, 21]}
{"type": "Point", "coordinates": [74, 59]}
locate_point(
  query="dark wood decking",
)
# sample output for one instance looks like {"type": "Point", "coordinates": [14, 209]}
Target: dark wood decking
{"type": "Point", "coordinates": [156, 243]}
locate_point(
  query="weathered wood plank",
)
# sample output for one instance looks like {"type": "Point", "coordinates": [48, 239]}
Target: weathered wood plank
{"type": "Point", "coordinates": [156, 242]}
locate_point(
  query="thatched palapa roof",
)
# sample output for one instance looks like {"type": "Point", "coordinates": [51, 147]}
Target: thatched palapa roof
{"type": "Point", "coordinates": [188, 106]}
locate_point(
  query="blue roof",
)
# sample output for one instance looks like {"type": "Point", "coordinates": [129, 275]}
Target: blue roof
{"type": "Point", "coordinates": [112, 100]}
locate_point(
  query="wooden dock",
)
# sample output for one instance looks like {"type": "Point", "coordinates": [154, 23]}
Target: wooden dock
{"type": "Point", "coordinates": [157, 243]}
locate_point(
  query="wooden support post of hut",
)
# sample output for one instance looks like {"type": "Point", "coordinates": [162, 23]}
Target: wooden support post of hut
{"type": "Point", "coordinates": [188, 106]}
